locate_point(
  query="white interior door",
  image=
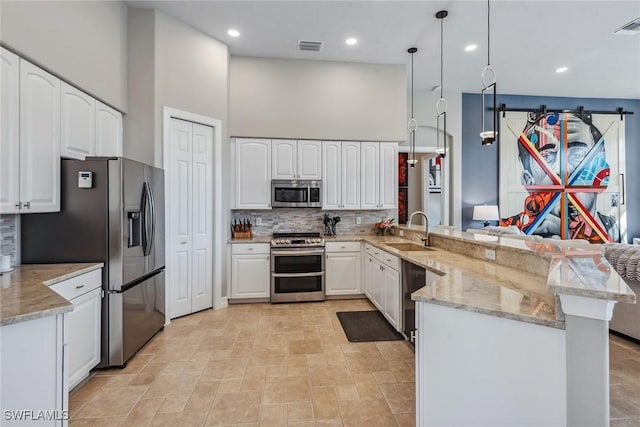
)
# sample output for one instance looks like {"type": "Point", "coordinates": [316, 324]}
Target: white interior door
{"type": "Point", "coordinates": [202, 231]}
{"type": "Point", "coordinates": [191, 217]}
{"type": "Point", "coordinates": [181, 217]}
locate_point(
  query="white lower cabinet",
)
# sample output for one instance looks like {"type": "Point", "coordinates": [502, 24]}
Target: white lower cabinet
{"type": "Point", "coordinates": [343, 268]}
{"type": "Point", "coordinates": [34, 364]}
{"type": "Point", "coordinates": [85, 293]}
{"type": "Point", "coordinates": [250, 270]}
{"type": "Point", "coordinates": [382, 283]}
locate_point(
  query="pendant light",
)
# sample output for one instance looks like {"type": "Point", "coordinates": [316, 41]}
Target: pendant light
{"type": "Point", "coordinates": [412, 125]}
{"type": "Point", "coordinates": [488, 77]}
{"type": "Point", "coordinates": [441, 105]}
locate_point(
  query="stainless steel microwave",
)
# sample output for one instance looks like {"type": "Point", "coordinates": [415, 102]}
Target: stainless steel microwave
{"type": "Point", "coordinates": [296, 193]}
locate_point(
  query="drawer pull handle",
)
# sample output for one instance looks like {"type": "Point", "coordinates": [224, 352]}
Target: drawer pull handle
{"type": "Point", "coordinates": [250, 249]}
{"type": "Point", "coordinates": [79, 286]}
{"type": "Point", "coordinates": [342, 247]}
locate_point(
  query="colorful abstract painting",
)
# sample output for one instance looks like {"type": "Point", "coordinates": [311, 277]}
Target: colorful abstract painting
{"type": "Point", "coordinates": [567, 178]}
{"type": "Point", "coordinates": [402, 205]}
{"type": "Point", "coordinates": [403, 170]}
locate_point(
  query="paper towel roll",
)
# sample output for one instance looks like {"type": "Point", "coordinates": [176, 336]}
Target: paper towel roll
{"type": "Point", "coordinates": [5, 263]}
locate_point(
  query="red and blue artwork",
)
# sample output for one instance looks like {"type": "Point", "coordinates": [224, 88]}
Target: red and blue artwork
{"type": "Point", "coordinates": [564, 168]}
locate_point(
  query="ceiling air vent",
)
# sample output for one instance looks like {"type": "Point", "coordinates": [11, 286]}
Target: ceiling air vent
{"type": "Point", "coordinates": [309, 46]}
{"type": "Point", "coordinates": [630, 28]}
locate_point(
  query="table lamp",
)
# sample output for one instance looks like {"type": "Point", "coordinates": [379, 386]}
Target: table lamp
{"type": "Point", "coordinates": [486, 213]}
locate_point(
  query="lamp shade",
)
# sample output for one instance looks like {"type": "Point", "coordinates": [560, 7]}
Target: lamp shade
{"type": "Point", "coordinates": [486, 213]}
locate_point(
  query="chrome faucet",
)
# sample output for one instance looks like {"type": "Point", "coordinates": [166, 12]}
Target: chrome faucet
{"type": "Point", "coordinates": [425, 239]}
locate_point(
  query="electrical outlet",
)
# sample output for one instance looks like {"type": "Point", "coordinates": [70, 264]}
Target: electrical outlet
{"type": "Point", "coordinates": [490, 254]}
{"type": "Point", "coordinates": [358, 220]}
{"type": "Point", "coordinates": [258, 221]}
{"type": "Point", "coordinates": [401, 233]}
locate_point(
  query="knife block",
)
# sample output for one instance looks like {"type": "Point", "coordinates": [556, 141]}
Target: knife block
{"type": "Point", "coordinates": [241, 234]}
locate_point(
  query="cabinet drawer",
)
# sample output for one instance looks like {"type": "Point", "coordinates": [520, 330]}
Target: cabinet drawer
{"type": "Point", "coordinates": [249, 248]}
{"type": "Point", "coordinates": [374, 252]}
{"type": "Point", "coordinates": [342, 246]}
{"type": "Point", "coordinates": [79, 285]}
{"type": "Point", "coordinates": [389, 260]}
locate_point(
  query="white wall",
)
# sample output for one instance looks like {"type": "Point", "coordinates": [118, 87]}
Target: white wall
{"type": "Point", "coordinates": [82, 42]}
{"type": "Point", "coordinates": [287, 98]}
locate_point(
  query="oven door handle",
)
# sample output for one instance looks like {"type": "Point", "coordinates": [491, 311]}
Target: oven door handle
{"type": "Point", "coordinates": [302, 252]}
{"type": "Point", "coordinates": [321, 273]}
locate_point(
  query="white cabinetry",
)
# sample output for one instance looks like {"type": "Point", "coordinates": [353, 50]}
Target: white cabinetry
{"type": "Point", "coordinates": [85, 293]}
{"type": "Point", "coordinates": [379, 163]}
{"type": "Point", "coordinates": [296, 159]}
{"type": "Point", "coordinates": [341, 175]}
{"type": "Point", "coordinates": [252, 173]}
{"type": "Point", "coordinates": [343, 268]}
{"type": "Point", "coordinates": [382, 283]}
{"type": "Point", "coordinates": [10, 132]}
{"type": "Point", "coordinates": [34, 364]}
{"type": "Point", "coordinates": [108, 131]}
{"type": "Point", "coordinates": [78, 133]}
{"type": "Point", "coordinates": [250, 270]}
{"type": "Point", "coordinates": [39, 140]}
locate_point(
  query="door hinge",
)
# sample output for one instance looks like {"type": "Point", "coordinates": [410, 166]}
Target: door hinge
{"type": "Point", "coordinates": [102, 293]}
{"type": "Point", "coordinates": [413, 335]}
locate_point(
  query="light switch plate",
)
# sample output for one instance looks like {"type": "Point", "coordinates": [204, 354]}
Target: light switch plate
{"type": "Point", "coordinates": [490, 254]}
{"type": "Point", "coordinates": [258, 221]}
{"type": "Point", "coordinates": [358, 220]}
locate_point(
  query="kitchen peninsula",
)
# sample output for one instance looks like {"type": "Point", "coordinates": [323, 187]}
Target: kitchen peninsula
{"type": "Point", "coordinates": [518, 340]}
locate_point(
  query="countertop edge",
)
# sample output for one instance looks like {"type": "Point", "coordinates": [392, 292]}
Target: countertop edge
{"type": "Point", "coordinates": [37, 314]}
{"type": "Point", "coordinates": [73, 274]}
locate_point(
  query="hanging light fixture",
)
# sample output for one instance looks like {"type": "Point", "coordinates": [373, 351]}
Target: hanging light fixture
{"type": "Point", "coordinates": [441, 105]}
{"type": "Point", "coordinates": [488, 78]}
{"type": "Point", "coordinates": [412, 125]}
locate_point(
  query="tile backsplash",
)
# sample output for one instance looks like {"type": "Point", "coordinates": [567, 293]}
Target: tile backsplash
{"type": "Point", "coordinates": [308, 220]}
{"type": "Point", "coordinates": [9, 236]}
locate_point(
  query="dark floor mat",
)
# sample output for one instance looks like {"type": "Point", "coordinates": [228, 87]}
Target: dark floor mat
{"type": "Point", "coordinates": [363, 326]}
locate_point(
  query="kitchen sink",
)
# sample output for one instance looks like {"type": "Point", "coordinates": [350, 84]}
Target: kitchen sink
{"type": "Point", "coordinates": [409, 247]}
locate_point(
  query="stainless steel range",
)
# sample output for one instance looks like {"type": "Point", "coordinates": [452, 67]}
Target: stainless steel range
{"type": "Point", "coordinates": [297, 267]}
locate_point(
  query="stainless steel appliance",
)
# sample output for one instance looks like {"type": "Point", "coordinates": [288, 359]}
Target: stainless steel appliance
{"type": "Point", "coordinates": [296, 194]}
{"type": "Point", "coordinates": [112, 210]}
{"type": "Point", "coordinates": [297, 267]}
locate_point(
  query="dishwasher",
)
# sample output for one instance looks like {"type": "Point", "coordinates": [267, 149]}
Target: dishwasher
{"type": "Point", "coordinates": [413, 278]}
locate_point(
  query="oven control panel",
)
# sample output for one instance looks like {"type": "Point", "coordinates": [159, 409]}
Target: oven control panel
{"type": "Point", "coordinates": [297, 242]}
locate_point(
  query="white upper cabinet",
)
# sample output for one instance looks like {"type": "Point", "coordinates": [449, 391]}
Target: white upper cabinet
{"type": "Point", "coordinates": [296, 159]}
{"type": "Point", "coordinates": [379, 175]}
{"type": "Point", "coordinates": [351, 175]}
{"type": "Point", "coordinates": [39, 140]}
{"type": "Point", "coordinates": [341, 175]}
{"type": "Point", "coordinates": [10, 132]}
{"type": "Point", "coordinates": [284, 159]}
{"type": "Point", "coordinates": [310, 160]}
{"type": "Point", "coordinates": [78, 134]}
{"type": "Point", "coordinates": [370, 160]}
{"type": "Point", "coordinates": [253, 173]}
{"type": "Point", "coordinates": [108, 131]}
{"type": "Point", "coordinates": [388, 175]}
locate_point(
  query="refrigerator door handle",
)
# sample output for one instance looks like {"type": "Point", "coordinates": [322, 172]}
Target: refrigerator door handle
{"type": "Point", "coordinates": [153, 217]}
{"type": "Point", "coordinates": [145, 223]}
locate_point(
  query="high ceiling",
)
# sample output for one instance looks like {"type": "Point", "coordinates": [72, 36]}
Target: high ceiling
{"type": "Point", "coordinates": [530, 39]}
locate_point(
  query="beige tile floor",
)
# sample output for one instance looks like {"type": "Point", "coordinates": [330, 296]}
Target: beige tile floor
{"type": "Point", "coordinates": [255, 364]}
{"type": "Point", "coordinates": [281, 365]}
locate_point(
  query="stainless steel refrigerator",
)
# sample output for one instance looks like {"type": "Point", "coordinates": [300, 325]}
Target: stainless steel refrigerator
{"type": "Point", "coordinates": [112, 210]}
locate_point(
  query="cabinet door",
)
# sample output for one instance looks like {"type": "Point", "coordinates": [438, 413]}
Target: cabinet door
{"type": "Point", "coordinates": [391, 286]}
{"type": "Point", "coordinates": [378, 285]}
{"type": "Point", "coordinates": [350, 175]}
{"type": "Point", "coordinates": [370, 163]}
{"type": "Point", "coordinates": [343, 271]}
{"type": "Point", "coordinates": [39, 139]}
{"type": "Point", "coordinates": [388, 175]}
{"type": "Point", "coordinates": [284, 159]}
{"type": "Point", "coordinates": [9, 132]}
{"type": "Point", "coordinates": [369, 277]}
{"type": "Point", "coordinates": [78, 133]}
{"type": "Point", "coordinates": [331, 173]}
{"type": "Point", "coordinates": [108, 131]}
{"type": "Point", "coordinates": [250, 276]}
{"type": "Point", "coordinates": [309, 160]}
{"type": "Point", "coordinates": [84, 335]}
{"type": "Point", "coordinates": [253, 174]}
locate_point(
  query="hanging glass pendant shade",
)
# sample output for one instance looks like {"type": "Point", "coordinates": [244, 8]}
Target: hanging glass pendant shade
{"type": "Point", "coordinates": [412, 125]}
{"type": "Point", "coordinates": [441, 105]}
{"type": "Point", "coordinates": [488, 77]}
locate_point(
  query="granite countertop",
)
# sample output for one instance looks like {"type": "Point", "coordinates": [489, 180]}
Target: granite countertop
{"type": "Point", "coordinates": [25, 293]}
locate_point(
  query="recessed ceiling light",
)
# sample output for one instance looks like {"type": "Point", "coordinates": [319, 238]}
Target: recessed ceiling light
{"type": "Point", "coordinates": [351, 41]}
{"type": "Point", "coordinates": [561, 69]}
{"type": "Point", "coordinates": [234, 33]}
{"type": "Point", "coordinates": [471, 47]}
